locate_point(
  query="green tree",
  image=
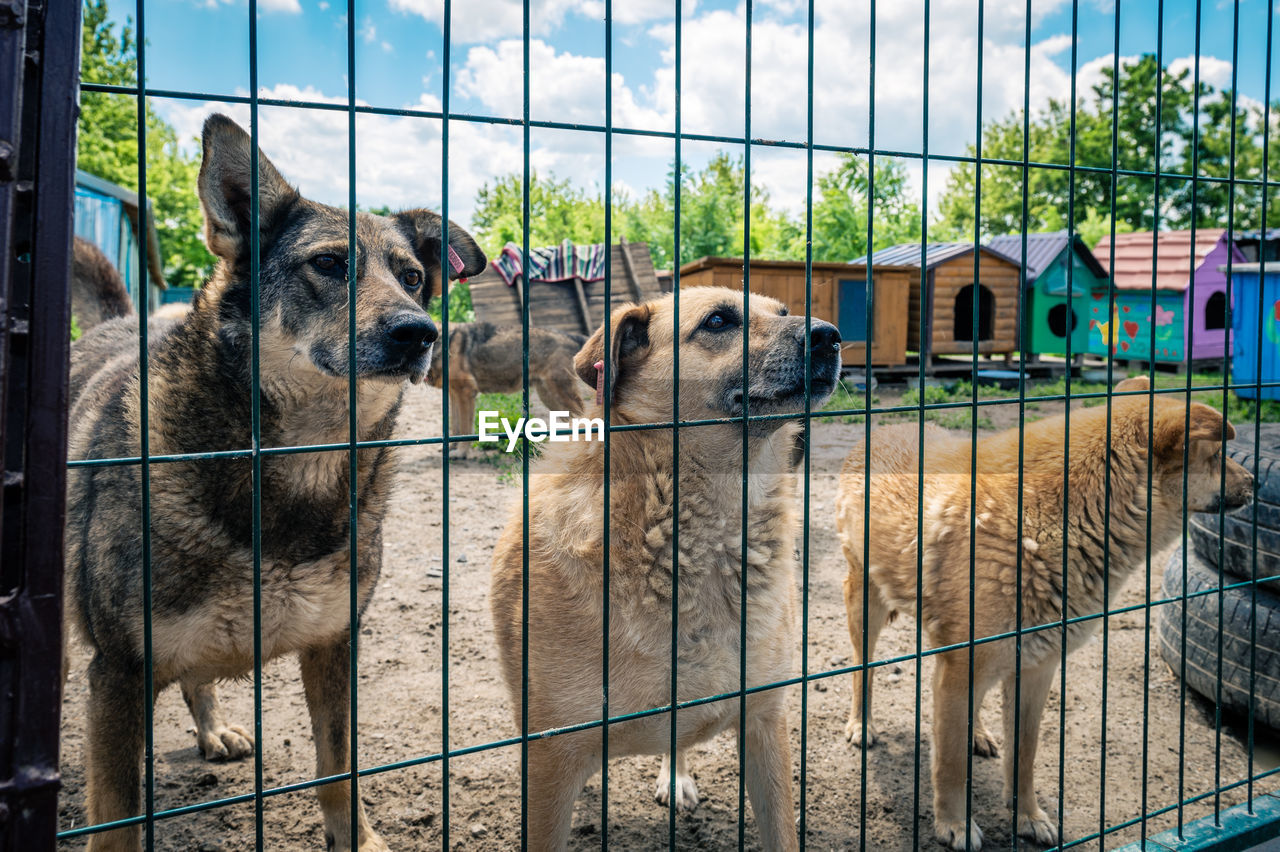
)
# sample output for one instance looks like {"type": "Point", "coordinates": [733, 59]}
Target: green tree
{"type": "Point", "coordinates": [557, 211]}
{"type": "Point", "coordinates": [107, 146]}
{"type": "Point", "coordinates": [840, 210]}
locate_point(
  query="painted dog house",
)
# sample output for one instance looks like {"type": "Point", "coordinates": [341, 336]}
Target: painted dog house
{"type": "Point", "coordinates": [1255, 329]}
{"type": "Point", "coordinates": [1190, 314]}
{"type": "Point", "coordinates": [839, 297]}
{"type": "Point", "coordinates": [950, 291]}
{"type": "Point", "coordinates": [1061, 276]}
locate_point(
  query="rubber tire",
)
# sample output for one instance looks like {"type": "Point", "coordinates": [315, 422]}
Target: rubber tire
{"type": "Point", "coordinates": [1238, 532]}
{"type": "Point", "coordinates": [1268, 455]}
{"type": "Point", "coordinates": [1202, 638]}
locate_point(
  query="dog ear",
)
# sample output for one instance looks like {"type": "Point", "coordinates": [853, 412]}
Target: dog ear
{"type": "Point", "coordinates": [1199, 423]}
{"type": "Point", "coordinates": [226, 189]}
{"type": "Point", "coordinates": [463, 257]}
{"type": "Point", "coordinates": [1137, 383]}
{"type": "Point", "coordinates": [628, 338]}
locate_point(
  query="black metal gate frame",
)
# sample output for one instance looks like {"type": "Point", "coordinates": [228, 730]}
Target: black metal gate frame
{"type": "Point", "coordinates": [351, 108]}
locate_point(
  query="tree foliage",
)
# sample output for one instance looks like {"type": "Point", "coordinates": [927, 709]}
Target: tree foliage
{"type": "Point", "coordinates": [107, 146]}
{"type": "Point", "coordinates": [1122, 115]}
{"type": "Point", "coordinates": [712, 220]}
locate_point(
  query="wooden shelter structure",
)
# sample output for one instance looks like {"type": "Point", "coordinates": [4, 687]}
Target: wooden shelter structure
{"type": "Point", "coordinates": [1190, 300]}
{"type": "Point", "coordinates": [950, 293]}
{"type": "Point", "coordinates": [839, 297]}
{"type": "Point", "coordinates": [107, 215]}
{"type": "Point", "coordinates": [1061, 276]}
{"type": "Point", "coordinates": [573, 306]}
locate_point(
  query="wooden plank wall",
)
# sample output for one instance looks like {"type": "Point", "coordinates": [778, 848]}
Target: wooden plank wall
{"type": "Point", "coordinates": [998, 276]}
{"type": "Point", "coordinates": [555, 305]}
{"type": "Point", "coordinates": [787, 285]}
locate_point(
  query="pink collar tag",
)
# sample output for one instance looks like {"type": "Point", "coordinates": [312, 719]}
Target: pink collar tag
{"type": "Point", "coordinates": [600, 383]}
{"type": "Point", "coordinates": [455, 261]}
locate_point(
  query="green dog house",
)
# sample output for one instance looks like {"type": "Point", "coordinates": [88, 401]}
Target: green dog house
{"type": "Point", "coordinates": [1055, 311]}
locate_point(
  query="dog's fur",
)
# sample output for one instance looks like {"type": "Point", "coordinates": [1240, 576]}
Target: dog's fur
{"type": "Point", "coordinates": [488, 358]}
{"type": "Point", "coordinates": [97, 290]}
{"type": "Point", "coordinates": [567, 541]}
{"type": "Point", "coordinates": [201, 510]}
{"type": "Point", "coordinates": [1101, 542]}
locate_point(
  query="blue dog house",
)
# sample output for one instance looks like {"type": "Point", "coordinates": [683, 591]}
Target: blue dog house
{"type": "Point", "coordinates": [1251, 339]}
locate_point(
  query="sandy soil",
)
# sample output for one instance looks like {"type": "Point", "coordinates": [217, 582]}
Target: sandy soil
{"type": "Point", "coordinates": [402, 714]}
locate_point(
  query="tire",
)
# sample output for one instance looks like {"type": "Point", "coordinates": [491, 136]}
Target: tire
{"type": "Point", "coordinates": [1268, 457]}
{"type": "Point", "coordinates": [1238, 528]}
{"type": "Point", "coordinates": [1202, 639]}
{"type": "Point", "coordinates": [1237, 546]}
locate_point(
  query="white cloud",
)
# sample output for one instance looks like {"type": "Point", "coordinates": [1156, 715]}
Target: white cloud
{"type": "Point", "coordinates": [398, 159]}
{"type": "Point", "coordinates": [1216, 72]}
{"type": "Point", "coordinates": [291, 7]}
{"type": "Point", "coordinates": [481, 21]}
{"type": "Point", "coordinates": [368, 31]}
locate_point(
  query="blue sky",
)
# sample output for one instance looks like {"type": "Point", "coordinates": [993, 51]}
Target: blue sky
{"type": "Point", "coordinates": [202, 46]}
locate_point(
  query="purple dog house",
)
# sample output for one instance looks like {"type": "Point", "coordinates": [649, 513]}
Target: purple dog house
{"type": "Point", "coordinates": [1126, 334]}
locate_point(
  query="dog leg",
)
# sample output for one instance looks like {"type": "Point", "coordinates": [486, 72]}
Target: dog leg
{"type": "Point", "coordinates": [217, 740]}
{"type": "Point", "coordinates": [859, 730]}
{"type": "Point", "coordinates": [768, 768]}
{"type": "Point", "coordinates": [558, 767]}
{"type": "Point", "coordinates": [950, 745]}
{"type": "Point", "coordinates": [462, 416]}
{"type": "Point", "coordinates": [686, 789]}
{"type": "Point", "coordinates": [1033, 822]}
{"type": "Point", "coordinates": [984, 744]}
{"type": "Point", "coordinates": [114, 738]}
{"type": "Point", "coordinates": [326, 675]}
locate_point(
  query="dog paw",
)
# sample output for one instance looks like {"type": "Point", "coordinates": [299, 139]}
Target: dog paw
{"type": "Point", "coordinates": [373, 843]}
{"type": "Point", "coordinates": [370, 841]}
{"type": "Point", "coordinates": [853, 733]}
{"type": "Point", "coordinates": [229, 743]}
{"type": "Point", "coordinates": [1038, 827]}
{"type": "Point", "coordinates": [953, 834]}
{"type": "Point", "coordinates": [686, 791]}
{"type": "Point", "coordinates": [984, 745]}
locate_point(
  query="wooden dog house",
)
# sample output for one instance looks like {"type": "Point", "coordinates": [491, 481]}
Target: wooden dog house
{"type": "Point", "coordinates": [839, 297]}
{"type": "Point", "coordinates": [572, 306]}
{"type": "Point", "coordinates": [950, 292]}
{"type": "Point", "coordinates": [1055, 304]}
{"type": "Point", "coordinates": [1191, 290]}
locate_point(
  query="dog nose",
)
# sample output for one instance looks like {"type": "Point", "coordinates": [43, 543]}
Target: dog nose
{"type": "Point", "coordinates": [409, 331]}
{"type": "Point", "coordinates": [823, 337]}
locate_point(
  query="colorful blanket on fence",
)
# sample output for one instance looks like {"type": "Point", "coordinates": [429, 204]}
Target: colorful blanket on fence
{"type": "Point", "coordinates": [553, 263]}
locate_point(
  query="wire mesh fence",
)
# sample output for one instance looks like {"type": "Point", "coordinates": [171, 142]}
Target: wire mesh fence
{"type": "Point", "coordinates": [1005, 552]}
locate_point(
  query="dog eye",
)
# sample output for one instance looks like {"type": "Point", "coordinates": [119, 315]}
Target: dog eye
{"type": "Point", "coordinates": [411, 280]}
{"type": "Point", "coordinates": [717, 321]}
{"type": "Point", "coordinates": [325, 262]}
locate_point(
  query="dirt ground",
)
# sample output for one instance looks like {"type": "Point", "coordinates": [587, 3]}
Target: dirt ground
{"type": "Point", "coordinates": [402, 714]}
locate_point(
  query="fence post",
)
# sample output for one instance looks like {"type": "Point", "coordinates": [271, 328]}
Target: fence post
{"type": "Point", "coordinates": [40, 57]}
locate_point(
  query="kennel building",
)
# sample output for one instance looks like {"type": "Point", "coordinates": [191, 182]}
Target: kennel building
{"type": "Point", "coordinates": [950, 291]}
{"type": "Point", "coordinates": [839, 297]}
{"type": "Point", "coordinates": [1190, 315]}
{"type": "Point", "coordinates": [1061, 277]}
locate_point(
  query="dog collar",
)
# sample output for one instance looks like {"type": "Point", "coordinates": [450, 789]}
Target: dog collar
{"type": "Point", "coordinates": [600, 383]}
{"type": "Point", "coordinates": [455, 261]}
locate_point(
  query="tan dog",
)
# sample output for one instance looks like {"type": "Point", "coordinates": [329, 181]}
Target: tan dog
{"type": "Point", "coordinates": [567, 541]}
{"type": "Point", "coordinates": [488, 358]}
{"type": "Point", "coordinates": [890, 573]}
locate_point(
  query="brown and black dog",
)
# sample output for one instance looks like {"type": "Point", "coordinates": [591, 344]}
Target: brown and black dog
{"type": "Point", "coordinates": [201, 389]}
{"type": "Point", "coordinates": [1104, 543]}
{"type": "Point", "coordinates": [97, 290]}
{"type": "Point", "coordinates": [488, 358]}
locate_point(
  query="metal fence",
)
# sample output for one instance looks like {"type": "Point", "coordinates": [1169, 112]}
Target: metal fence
{"type": "Point", "coordinates": [812, 674]}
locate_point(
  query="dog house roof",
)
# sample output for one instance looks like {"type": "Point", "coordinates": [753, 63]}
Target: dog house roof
{"type": "Point", "coordinates": [1173, 257]}
{"type": "Point", "coordinates": [908, 254]}
{"type": "Point", "coordinates": [1043, 250]}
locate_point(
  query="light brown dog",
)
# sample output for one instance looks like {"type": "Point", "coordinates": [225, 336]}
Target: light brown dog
{"type": "Point", "coordinates": [1101, 538]}
{"type": "Point", "coordinates": [568, 540]}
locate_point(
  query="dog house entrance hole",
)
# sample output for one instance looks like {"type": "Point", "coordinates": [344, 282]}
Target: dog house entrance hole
{"type": "Point", "coordinates": [964, 313]}
{"type": "Point", "coordinates": [1215, 311]}
{"type": "Point", "coordinates": [1058, 317]}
